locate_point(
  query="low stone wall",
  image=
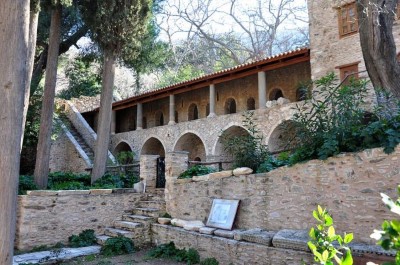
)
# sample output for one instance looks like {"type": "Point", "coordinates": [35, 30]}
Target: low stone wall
{"type": "Point", "coordinates": [348, 185]}
{"type": "Point", "coordinates": [48, 217]}
{"type": "Point", "coordinates": [228, 251]}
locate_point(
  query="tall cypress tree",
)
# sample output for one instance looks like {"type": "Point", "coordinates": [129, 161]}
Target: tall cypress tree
{"type": "Point", "coordinates": [115, 25]}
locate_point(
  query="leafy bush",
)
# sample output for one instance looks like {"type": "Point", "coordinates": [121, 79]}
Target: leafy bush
{"type": "Point", "coordinates": [117, 246]}
{"type": "Point", "coordinates": [169, 251]}
{"type": "Point", "coordinates": [115, 181]}
{"type": "Point", "coordinates": [197, 170]}
{"type": "Point", "coordinates": [68, 181]}
{"type": "Point", "coordinates": [389, 237]}
{"type": "Point", "coordinates": [209, 261]}
{"type": "Point", "coordinates": [125, 157]}
{"type": "Point", "coordinates": [247, 150]}
{"type": "Point", "coordinates": [26, 183]}
{"type": "Point", "coordinates": [274, 162]}
{"type": "Point", "coordinates": [323, 238]}
{"type": "Point", "coordinates": [84, 239]}
{"type": "Point", "coordinates": [339, 123]}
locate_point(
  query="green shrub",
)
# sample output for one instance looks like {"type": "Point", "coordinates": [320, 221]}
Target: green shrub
{"type": "Point", "coordinates": [84, 239]}
{"type": "Point", "coordinates": [197, 170]}
{"type": "Point", "coordinates": [125, 157]}
{"type": "Point", "coordinates": [70, 185]}
{"type": "Point", "coordinates": [169, 251]}
{"type": "Point", "coordinates": [209, 261]}
{"type": "Point", "coordinates": [117, 246]}
{"type": "Point", "coordinates": [110, 181]}
{"type": "Point", "coordinates": [389, 237]}
{"type": "Point", "coordinates": [166, 215]}
{"type": "Point", "coordinates": [26, 183]}
{"type": "Point", "coordinates": [274, 162]}
{"type": "Point", "coordinates": [248, 149]}
{"type": "Point", "coordinates": [339, 123]}
{"type": "Point", "coordinates": [323, 239]}
{"type": "Point", "coordinates": [68, 181]}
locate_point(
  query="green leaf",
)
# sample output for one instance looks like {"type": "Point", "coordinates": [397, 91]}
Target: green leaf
{"type": "Point", "coordinates": [328, 220]}
{"type": "Point", "coordinates": [348, 238]}
{"type": "Point", "coordinates": [311, 246]}
{"type": "Point", "coordinates": [325, 255]}
{"type": "Point", "coordinates": [316, 216]}
{"type": "Point", "coordinates": [395, 225]}
{"type": "Point", "coordinates": [312, 233]}
{"type": "Point", "coordinates": [331, 231]}
{"type": "Point", "coordinates": [320, 211]}
{"type": "Point", "coordinates": [348, 260]}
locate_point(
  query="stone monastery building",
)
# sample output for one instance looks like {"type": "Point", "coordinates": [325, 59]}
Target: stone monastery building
{"type": "Point", "coordinates": [190, 116]}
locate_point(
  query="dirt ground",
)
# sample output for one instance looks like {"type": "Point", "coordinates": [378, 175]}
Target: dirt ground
{"type": "Point", "coordinates": [136, 258]}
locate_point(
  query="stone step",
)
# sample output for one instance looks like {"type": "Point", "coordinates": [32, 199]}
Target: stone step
{"type": "Point", "coordinates": [152, 212]}
{"type": "Point", "coordinates": [126, 225]}
{"type": "Point", "coordinates": [138, 218]}
{"type": "Point", "coordinates": [101, 239]}
{"type": "Point", "coordinates": [113, 232]}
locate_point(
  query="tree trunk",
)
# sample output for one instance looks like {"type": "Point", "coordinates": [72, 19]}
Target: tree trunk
{"type": "Point", "coordinates": [14, 23]}
{"type": "Point", "coordinates": [377, 43]}
{"type": "Point", "coordinates": [104, 124]}
{"type": "Point", "coordinates": [46, 117]}
{"type": "Point", "coordinates": [33, 23]}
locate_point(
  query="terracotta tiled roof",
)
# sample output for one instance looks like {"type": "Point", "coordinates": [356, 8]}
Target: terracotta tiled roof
{"type": "Point", "coordinates": [216, 77]}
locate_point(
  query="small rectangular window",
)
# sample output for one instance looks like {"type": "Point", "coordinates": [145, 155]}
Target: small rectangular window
{"type": "Point", "coordinates": [348, 22]}
{"type": "Point", "coordinates": [348, 71]}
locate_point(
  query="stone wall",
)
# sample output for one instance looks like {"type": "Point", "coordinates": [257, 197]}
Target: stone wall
{"type": "Point", "coordinates": [48, 217]}
{"type": "Point", "coordinates": [348, 185]}
{"type": "Point", "coordinates": [228, 251]}
{"type": "Point", "coordinates": [64, 156]}
{"type": "Point", "coordinates": [328, 49]}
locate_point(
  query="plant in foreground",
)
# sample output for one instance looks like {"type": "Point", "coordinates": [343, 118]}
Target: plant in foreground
{"type": "Point", "coordinates": [169, 251]}
{"type": "Point", "coordinates": [324, 239]}
{"type": "Point", "coordinates": [117, 246]}
{"type": "Point", "coordinates": [84, 239]}
{"type": "Point", "coordinates": [389, 237]}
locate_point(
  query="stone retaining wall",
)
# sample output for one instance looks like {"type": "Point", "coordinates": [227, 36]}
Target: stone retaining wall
{"type": "Point", "coordinates": [228, 251]}
{"type": "Point", "coordinates": [48, 217]}
{"type": "Point", "coordinates": [348, 185]}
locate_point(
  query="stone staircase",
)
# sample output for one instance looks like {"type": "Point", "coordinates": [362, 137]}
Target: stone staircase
{"type": "Point", "coordinates": [74, 132]}
{"type": "Point", "coordinates": [136, 223]}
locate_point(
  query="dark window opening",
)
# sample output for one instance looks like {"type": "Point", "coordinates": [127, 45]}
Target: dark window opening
{"type": "Point", "coordinates": [230, 106]}
{"type": "Point", "coordinates": [251, 104]}
{"type": "Point", "coordinates": [275, 94]}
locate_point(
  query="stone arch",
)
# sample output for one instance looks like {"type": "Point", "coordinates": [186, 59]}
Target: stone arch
{"type": "Point", "coordinates": [251, 103]}
{"type": "Point", "coordinates": [230, 106]}
{"type": "Point", "coordinates": [153, 146]}
{"type": "Point", "coordinates": [193, 112]}
{"type": "Point", "coordinates": [159, 116]}
{"type": "Point", "coordinates": [284, 137]}
{"type": "Point", "coordinates": [192, 143]}
{"type": "Point", "coordinates": [275, 94]}
{"type": "Point", "coordinates": [122, 146]}
{"type": "Point", "coordinates": [231, 130]}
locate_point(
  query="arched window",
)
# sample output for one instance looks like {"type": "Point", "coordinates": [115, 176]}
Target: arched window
{"type": "Point", "coordinates": [193, 113]}
{"type": "Point", "coordinates": [251, 104]}
{"type": "Point", "coordinates": [159, 118]}
{"type": "Point", "coordinates": [275, 94]}
{"type": "Point", "coordinates": [207, 109]}
{"type": "Point", "coordinates": [176, 117]}
{"type": "Point", "coordinates": [230, 106]}
{"type": "Point", "coordinates": [144, 123]}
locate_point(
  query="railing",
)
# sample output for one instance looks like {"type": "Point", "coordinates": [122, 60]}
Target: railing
{"type": "Point", "coordinates": [129, 169]}
{"type": "Point", "coordinates": [209, 163]}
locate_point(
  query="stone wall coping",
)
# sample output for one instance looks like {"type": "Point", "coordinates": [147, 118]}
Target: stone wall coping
{"type": "Point", "coordinates": [79, 192]}
{"type": "Point", "coordinates": [288, 239]}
